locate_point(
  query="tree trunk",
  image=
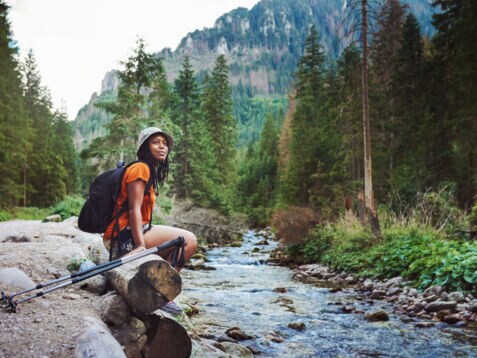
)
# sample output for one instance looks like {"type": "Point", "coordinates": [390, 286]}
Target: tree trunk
{"type": "Point", "coordinates": [146, 284]}
{"type": "Point", "coordinates": [368, 175]}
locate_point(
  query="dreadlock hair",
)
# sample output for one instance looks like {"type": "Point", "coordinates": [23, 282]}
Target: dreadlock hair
{"type": "Point", "coordinates": [159, 169]}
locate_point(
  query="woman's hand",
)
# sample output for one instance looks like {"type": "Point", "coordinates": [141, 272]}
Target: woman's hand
{"type": "Point", "coordinates": [136, 250]}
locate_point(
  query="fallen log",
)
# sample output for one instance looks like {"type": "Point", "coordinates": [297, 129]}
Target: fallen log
{"type": "Point", "coordinates": [146, 284]}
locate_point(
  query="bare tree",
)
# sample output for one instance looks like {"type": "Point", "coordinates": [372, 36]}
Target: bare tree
{"type": "Point", "coordinates": [368, 174]}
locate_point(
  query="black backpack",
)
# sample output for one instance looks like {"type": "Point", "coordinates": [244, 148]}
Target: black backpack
{"type": "Point", "coordinates": [97, 211]}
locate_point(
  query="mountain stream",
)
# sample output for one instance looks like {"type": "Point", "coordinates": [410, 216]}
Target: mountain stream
{"type": "Point", "coordinates": [263, 300]}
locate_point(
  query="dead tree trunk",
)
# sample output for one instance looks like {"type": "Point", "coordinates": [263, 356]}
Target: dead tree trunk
{"type": "Point", "coordinates": [146, 284]}
{"type": "Point", "coordinates": [368, 176]}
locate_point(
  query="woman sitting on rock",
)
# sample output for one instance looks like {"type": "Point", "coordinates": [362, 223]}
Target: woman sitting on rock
{"type": "Point", "coordinates": [135, 232]}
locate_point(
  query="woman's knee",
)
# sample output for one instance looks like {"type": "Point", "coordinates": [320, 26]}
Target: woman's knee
{"type": "Point", "coordinates": [191, 241]}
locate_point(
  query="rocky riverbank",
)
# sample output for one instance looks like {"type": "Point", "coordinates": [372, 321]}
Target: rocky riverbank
{"type": "Point", "coordinates": [65, 322]}
{"type": "Point", "coordinates": [423, 308]}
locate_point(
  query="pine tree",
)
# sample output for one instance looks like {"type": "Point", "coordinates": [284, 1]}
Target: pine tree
{"type": "Point", "coordinates": [217, 109]}
{"type": "Point", "coordinates": [384, 52]}
{"type": "Point", "coordinates": [48, 175]}
{"type": "Point", "coordinates": [349, 116]}
{"type": "Point", "coordinates": [195, 165]}
{"type": "Point", "coordinates": [409, 174]}
{"type": "Point", "coordinates": [456, 52]}
{"type": "Point", "coordinates": [65, 150]}
{"type": "Point", "coordinates": [13, 143]}
{"type": "Point", "coordinates": [129, 110]}
{"type": "Point", "coordinates": [304, 142]}
{"type": "Point", "coordinates": [258, 176]}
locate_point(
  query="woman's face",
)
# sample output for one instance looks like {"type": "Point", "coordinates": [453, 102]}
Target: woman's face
{"type": "Point", "coordinates": [158, 147]}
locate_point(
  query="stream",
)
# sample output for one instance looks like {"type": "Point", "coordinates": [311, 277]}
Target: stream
{"type": "Point", "coordinates": [241, 292]}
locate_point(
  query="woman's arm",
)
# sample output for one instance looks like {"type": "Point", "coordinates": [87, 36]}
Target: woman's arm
{"type": "Point", "coordinates": [135, 199]}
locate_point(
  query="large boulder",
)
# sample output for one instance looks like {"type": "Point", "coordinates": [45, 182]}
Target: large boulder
{"type": "Point", "coordinates": [206, 223]}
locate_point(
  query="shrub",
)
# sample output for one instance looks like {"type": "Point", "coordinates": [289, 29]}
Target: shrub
{"type": "Point", "coordinates": [419, 254]}
{"type": "Point", "coordinates": [292, 225]}
{"type": "Point", "coordinates": [70, 206]}
{"type": "Point", "coordinates": [4, 215]}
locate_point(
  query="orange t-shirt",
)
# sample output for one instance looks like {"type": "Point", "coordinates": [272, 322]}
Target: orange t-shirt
{"type": "Point", "coordinates": [137, 171]}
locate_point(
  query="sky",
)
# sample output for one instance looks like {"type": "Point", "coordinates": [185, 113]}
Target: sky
{"type": "Point", "coordinates": [75, 42]}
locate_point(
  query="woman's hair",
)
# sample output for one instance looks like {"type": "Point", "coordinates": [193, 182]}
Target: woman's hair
{"type": "Point", "coordinates": [159, 170]}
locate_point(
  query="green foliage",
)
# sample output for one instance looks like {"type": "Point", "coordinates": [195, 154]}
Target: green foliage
{"type": "Point", "coordinates": [29, 213]}
{"type": "Point", "coordinates": [421, 255]}
{"type": "Point", "coordinates": [74, 265]}
{"type": "Point", "coordinates": [133, 109]}
{"type": "Point", "coordinates": [195, 171]}
{"type": "Point", "coordinates": [258, 176]}
{"type": "Point", "coordinates": [219, 120]}
{"type": "Point", "coordinates": [70, 206]}
{"type": "Point", "coordinates": [5, 215]}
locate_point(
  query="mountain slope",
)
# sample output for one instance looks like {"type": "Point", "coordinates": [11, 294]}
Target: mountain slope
{"type": "Point", "coordinates": [263, 46]}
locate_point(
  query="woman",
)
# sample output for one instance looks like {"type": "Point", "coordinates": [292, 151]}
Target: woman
{"type": "Point", "coordinates": [135, 232]}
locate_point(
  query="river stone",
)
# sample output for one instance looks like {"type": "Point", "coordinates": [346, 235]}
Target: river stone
{"type": "Point", "coordinates": [441, 314]}
{"type": "Point", "coordinates": [456, 296]}
{"type": "Point", "coordinates": [393, 291]}
{"type": "Point", "coordinates": [297, 326]}
{"type": "Point", "coordinates": [377, 316]}
{"type": "Point", "coordinates": [96, 284]}
{"type": "Point", "coordinates": [137, 325]}
{"type": "Point", "coordinates": [97, 341]}
{"type": "Point", "coordinates": [237, 334]}
{"type": "Point", "coordinates": [432, 298]}
{"type": "Point", "coordinates": [262, 242]}
{"type": "Point", "coordinates": [92, 245]}
{"type": "Point", "coordinates": [393, 282]}
{"type": "Point", "coordinates": [452, 318]}
{"type": "Point", "coordinates": [350, 280]}
{"type": "Point", "coordinates": [473, 307]}
{"type": "Point", "coordinates": [16, 277]}
{"type": "Point", "coordinates": [377, 294]}
{"type": "Point", "coordinates": [424, 324]}
{"type": "Point", "coordinates": [274, 337]}
{"type": "Point", "coordinates": [53, 218]}
{"type": "Point", "coordinates": [114, 310]}
{"type": "Point", "coordinates": [433, 290]}
{"type": "Point", "coordinates": [440, 305]}
{"type": "Point", "coordinates": [348, 309]}
{"type": "Point", "coordinates": [236, 350]}
{"type": "Point", "coordinates": [224, 338]}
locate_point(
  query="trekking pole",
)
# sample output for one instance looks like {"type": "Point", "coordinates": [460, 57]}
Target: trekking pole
{"type": "Point", "coordinates": [83, 275]}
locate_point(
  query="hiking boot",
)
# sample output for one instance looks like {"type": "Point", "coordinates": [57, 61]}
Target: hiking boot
{"type": "Point", "coordinates": [172, 308]}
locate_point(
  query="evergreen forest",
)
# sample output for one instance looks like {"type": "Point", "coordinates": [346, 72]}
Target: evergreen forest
{"type": "Point", "coordinates": [305, 173]}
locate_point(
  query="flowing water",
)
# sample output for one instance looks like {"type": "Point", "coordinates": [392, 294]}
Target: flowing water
{"type": "Point", "coordinates": [241, 292]}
